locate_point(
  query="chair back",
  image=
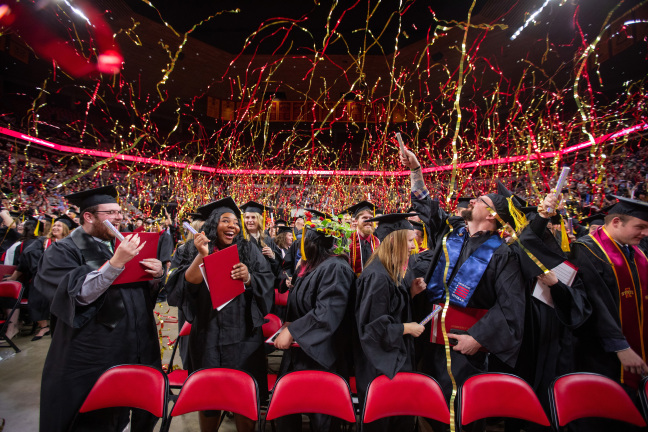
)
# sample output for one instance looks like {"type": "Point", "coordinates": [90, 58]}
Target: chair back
{"type": "Point", "coordinates": [281, 299]}
{"type": "Point", "coordinates": [185, 330]}
{"type": "Point", "coordinates": [580, 395]}
{"type": "Point", "coordinates": [311, 391]}
{"type": "Point", "coordinates": [643, 396]}
{"type": "Point", "coordinates": [134, 386]}
{"type": "Point", "coordinates": [408, 393]}
{"type": "Point", "coordinates": [271, 327]}
{"type": "Point", "coordinates": [11, 289]}
{"type": "Point", "coordinates": [219, 389]}
{"type": "Point", "coordinates": [498, 395]}
{"type": "Point", "coordinates": [7, 270]}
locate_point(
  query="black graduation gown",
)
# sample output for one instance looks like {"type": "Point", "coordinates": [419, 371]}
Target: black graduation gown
{"type": "Point", "coordinates": [603, 293]}
{"type": "Point", "coordinates": [231, 337]}
{"type": "Point", "coordinates": [321, 319]}
{"type": "Point", "coordinates": [118, 328]}
{"type": "Point", "coordinates": [275, 263]}
{"type": "Point", "coordinates": [382, 308]}
{"type": "Point", "coordinates": [8, 236]}
{"type": "Point", "coordinates": [28, 265]}
{"type": "Point", "coordinates": [165, 247]}
{"type": "Point", "coordinates": [548, 346]}
{"type": "Point", "coordinates": [501, 291]}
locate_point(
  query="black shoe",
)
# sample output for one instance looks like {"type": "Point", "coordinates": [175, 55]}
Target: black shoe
{"type": "Point", "coordinates": [47, 333]}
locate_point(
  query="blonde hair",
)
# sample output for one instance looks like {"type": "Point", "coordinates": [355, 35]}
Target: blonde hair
{"type": "Point", "coordinates": [393, 253]}
{"type": "Point", "coordinates": [66, 230]}
{"type": "Point", "coordinates": [197, 225]}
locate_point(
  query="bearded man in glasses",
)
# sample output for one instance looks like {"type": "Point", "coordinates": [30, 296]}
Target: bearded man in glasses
{"type": "Point", "coordinates": [99, 324]}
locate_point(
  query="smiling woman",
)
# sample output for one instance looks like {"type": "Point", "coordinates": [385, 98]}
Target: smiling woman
{"type": "Point", "coordinates": [231, 337]}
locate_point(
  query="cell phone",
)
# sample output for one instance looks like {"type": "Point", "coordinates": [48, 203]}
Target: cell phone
{"type": "Point", "coordinates": [453, 341]}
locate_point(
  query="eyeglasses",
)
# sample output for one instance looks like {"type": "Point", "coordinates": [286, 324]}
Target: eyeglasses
{"type": "Point", "coordinates": [110, 212]}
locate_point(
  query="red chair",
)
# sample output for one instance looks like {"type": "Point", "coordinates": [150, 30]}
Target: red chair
{"type": "Point", "coordinates": [498, 395]}
{"type": "Point", "coordinates": [12, 290]}
{"type": "Point", "coordinates": [281, 299]}
{"type": "Point", "coordinates": [132, 386]}
{"type": "Point", "coordinates": [177, 377]}
{"type": "Point", "coordinates": [7, 270]}
{"type": "Point", "coordinates": [311, 391]}
{"type": "Point", "coordinates": [407, 394]}
{"type": "Point", "coordinates": [643, 396]}
{"type": "Point", "coordinates": [218, 389]}
{"type": "Point", "coordinates": [271, 327]}
{"type": "Point", "coordinates": [581, 395]}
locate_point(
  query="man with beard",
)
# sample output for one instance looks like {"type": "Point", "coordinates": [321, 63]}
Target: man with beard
{"type": "Point", "coordinates": [99, 325]}
{"type": "Point", "coordinates": [363, 242]}
{"type": "Point", "coordinates": [479, 275]}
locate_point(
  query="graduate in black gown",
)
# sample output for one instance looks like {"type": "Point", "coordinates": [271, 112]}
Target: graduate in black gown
{"type": "Point", "coordinates": [363, 241]}
{"type": "Point", "coordinates": [551, 317]}
{"type": "Point", "coordinates": [231, 337]}
{"type": "Point", "coordinates": [254, 219]}
{"type": "Point", "coordinates": [613, 340]}
{"type": "Point", "coordinates": [496, 287]}
{"type": "Point", "coordinates": [384, 316]}
{"type": "Point", "coordinates": [99, 325]}
{"type": "Point", "coordinates": [319, 319]}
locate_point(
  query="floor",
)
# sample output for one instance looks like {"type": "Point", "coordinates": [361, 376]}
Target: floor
{"type": "Point", "coordinates": [20, 375]}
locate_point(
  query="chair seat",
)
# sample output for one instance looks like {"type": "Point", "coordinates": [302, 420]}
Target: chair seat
{"type": "Point", "coordinates": [24, 302]}
{"type": "Point", "coordinates": [352, 385]}
{"type": "Point", "coordinates": [178, 377]}
{"type": "Point", "coordinates": [272, 379]}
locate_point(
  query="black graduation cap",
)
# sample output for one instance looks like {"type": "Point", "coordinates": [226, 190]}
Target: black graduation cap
{"type": "Point", "coordinates": [283, 229]}
{"type": "Point", "coordinates": [255, 207]}
{"type": "Point", "coordinates": [506, 193]}
{"type": "Point", "coordinates": [392, 222]}
{"type": "Point", "coordinates": [318, 213]}
{"type": "Point", "coordinates": [92, 197]}
{"type": "Point", "coordinates": [418, 226]}
{"type": "Point", "coordinates": [501, 207]}
{"type": "Point", "coordinates": [595, 219]}
{"type": "Point", "coordinates": [556, 219]}
{"type": "Point", "coordinates": [359, 207]}
{"type": "Point", "coordinates": [195, 216]}
{"type": "Point", "coordinates": [630, 207]}
{"type": "Point", "coordinates": [529, 209]}
{"type": "Point", "coordinates": [462, 202]}
{"type": "Point", "coordinates": [281, 221]}
{"type": "Point", "coordinates": [67, 221]}
{"type": "Point", "coordinates": [227, 204]}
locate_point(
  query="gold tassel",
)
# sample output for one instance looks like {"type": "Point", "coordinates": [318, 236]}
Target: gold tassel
{"type": "Point", "coordinates": [564, 239]}
{"type": "Point", "coordinates": [243, 227]}
{"type": "Point", "coordinates": [37, 226]}
{"type": "Point", "coordinates": [519, 218]}
{"type": "Point", "coordinates": [425, 238]}
{"type": "Point", "coordinates": [303, 252]}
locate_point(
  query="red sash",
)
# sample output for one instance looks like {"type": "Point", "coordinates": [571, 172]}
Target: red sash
{"type": "Point", "coordinates": [356, 257]}
{"type": "Point", "coordinates": [631, 309]}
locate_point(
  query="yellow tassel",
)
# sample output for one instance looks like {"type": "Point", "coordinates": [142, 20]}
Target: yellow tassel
{"type": "Point", "coordinates": [564, 239]}
{"type": "Point", "coordinates": [264, 218]}
{"type": "Point", "coordinates": [303, 252]}
{"type": "Point", "coordinates": [243, 227]}
{"type": "Point", "coordinates": [519, 218]}
{"type": "Point", "coordinates": [425, 238]}
{"type": "Point", "coordinates": [416, 248]}
{"type": "Point", "coordinates": [37, 226]}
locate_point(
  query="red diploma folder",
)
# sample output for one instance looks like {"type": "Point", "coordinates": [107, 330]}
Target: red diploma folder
{"type": "Point", "coordinates": [457, 319]}
{"type": "Point", "coordinates": [133, 270]}
{"type": "Point", "coordinates": [217, 271]}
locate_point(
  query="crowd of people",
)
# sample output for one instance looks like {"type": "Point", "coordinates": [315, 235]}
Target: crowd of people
{"type": "Point", "coordinates": [359, 285]}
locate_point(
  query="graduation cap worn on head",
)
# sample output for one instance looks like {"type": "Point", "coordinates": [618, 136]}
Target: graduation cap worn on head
{"type": "Point", "coordinates": [630, 207]}
{"type": "Point", "coordinates": [255, 207]}
{"type": "Point", "coordinates": [506, 193]}
{"type": "Point", "coordinates": [280, 221]}
{"type": "Point", "coordinates": [92, 197]}
{"type": "Point", "coordinates": [283, 229]}
{"type": "Point", "coordinates": [360, 207]}
{"type": "Point", "coordinates": [505, 209]}
{"type": "Point", "coordinates": [595, 219]}
{"type": "Point", "coordinates": [196, 216]}
{"type": "Point", "coordinates": [318, 213]}
{"type": "Point", "coordinates": [463, 202]}
{"type": "Point", "coordinates": [226, 204]}
{"type": "Point", "coordinates": [391, 222]}
{"type": "Point", "coordinates": [67, 221]}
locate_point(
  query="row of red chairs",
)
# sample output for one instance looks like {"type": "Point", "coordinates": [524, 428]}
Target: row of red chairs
{"type": "Point", "coordinates": [573, 396]}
